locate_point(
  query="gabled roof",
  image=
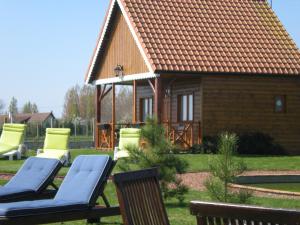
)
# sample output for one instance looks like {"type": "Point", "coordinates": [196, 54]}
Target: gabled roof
{"type": "Point", "coordinates": [222, 36]}
{"type": "Point", "coordinates": [28, 117]}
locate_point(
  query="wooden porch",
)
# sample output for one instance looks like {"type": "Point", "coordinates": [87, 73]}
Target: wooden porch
{"type": "Point", "coordinates": [182, 133]}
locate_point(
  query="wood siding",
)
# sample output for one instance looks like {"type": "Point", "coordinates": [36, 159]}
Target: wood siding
{"type": "Point", "coordinates": [246, 104]}
{"type": "Point", "coordinates": [121, 49]}
{"type": "Point", "coordinates": [185, 87]}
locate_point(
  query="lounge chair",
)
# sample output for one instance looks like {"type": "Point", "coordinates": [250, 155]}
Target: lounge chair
{"type": "Point", "coordinates": [75, 199]}
{"type": "Point", "coordinates": [56, 145]}
{"type": "Point", "coordinates": [128, 137]}
{"type": "Point", "coordinates": [11, 140]}
{"type": "Point", "coordinates": [31, 181]}
{"type": "Point", "coordinates": [140, 198]}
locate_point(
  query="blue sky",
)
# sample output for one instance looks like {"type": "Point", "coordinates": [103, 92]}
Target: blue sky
{"type": "Point", "coordinates": [45, 46]}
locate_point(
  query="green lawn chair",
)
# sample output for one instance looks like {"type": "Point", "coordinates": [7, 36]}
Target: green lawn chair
{"type": "Point", "coordinates": [128, 137]}
{"type": "Point", "coordinates": [56, 145]}
{"type": "Point", "coordinates": [11, 140]}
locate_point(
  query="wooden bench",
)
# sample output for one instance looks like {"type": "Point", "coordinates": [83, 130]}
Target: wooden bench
{"type": "Point", "coordinates": [212, 213]}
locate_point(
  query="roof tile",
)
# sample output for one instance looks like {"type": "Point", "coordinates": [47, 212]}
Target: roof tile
{"type": "Point", "coordinates": [213, 36]}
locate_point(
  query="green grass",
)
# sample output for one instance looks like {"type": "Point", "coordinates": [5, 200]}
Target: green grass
{"type": "Point", "coordinates": [294, 187]}
{"type": "Point", "coordinates": [199, 162]}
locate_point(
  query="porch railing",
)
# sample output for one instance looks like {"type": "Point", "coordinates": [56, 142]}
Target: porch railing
{"type": "Point", "coordinates": [184, 134]}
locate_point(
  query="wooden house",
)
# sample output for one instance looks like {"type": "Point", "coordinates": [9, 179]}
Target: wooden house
{"type": "Point", "coordinates": [201, 67]}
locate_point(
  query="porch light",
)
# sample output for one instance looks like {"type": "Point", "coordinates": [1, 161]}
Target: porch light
{"type": "Point", "coordinates": [119, 71]}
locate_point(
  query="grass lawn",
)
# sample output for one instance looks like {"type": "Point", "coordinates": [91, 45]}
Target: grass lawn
{"type": "Point", "coordinates": [197, 162]}
{"type": "Point", "coordinates": [179, 215]}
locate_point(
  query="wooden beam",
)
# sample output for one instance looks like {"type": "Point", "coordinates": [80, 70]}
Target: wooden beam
{"type": "Point", "coordinates": [151, 85]}
{"type": "Point", "coordinates": [106, 92]}
{"type": "Point", "coordinates": [158, 98]}
{"type": "Point", "coordinates": [103, 90]}
{"type": "Point", "coordinates": [113, 119]}
{"type": "Point", "coordinates": [134, 119]}
{"type": "Point", "coordinates": [97, 116]}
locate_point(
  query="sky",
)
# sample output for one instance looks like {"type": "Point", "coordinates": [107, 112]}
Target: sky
{"type": "Point", "coordinates": [46, 46]}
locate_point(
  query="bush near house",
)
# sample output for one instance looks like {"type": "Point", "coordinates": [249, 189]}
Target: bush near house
{"type": "Point", "coordinates": [251, 143]}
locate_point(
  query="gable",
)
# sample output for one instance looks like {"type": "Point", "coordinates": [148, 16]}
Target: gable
{"type": "Point", "coordinates": [120, 49]}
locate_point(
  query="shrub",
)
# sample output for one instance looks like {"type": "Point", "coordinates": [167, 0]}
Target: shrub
{"type": "Point", "coordinates": [259, 144]}
{"type": "Point", "coordinates": [158, 152]}
{"type": "Point", "coordinates": [224, 169]}
{"type": "Point", "coordinates": [251, 143]}
{"type": "Point", "coordinates": [208, 146]}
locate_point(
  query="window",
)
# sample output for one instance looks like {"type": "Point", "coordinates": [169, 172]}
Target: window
{"type": "Point", "coordinates": [186, 107]}
{"type": "Point", "coordinates": [280, 104]}
{"type": "Point", "coordinates": [146, 108]}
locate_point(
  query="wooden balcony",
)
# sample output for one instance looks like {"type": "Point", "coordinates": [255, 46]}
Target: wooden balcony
{"type": "Point", "coordinates": [184, 134]}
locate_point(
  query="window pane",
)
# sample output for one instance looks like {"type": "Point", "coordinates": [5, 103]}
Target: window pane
{"type": "Point", "coordinates": [191, 107]}
{"type": "Point", "coordinates": [184, 108]}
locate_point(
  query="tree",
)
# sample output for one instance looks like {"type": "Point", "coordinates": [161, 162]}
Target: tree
{"type": "Point", "coordinates": [86, 102]}
{"type": "Point", "coordinates": [1, 106]}
{"type": "Point", "coordinates": [71, 104]}
{"type": "Point", "coordinates": [30, 108]}
{"type": "Point", "coordinates": [224, 169]}
{"type": "Point", "coordinates": [158, 152]}
{"type": "Point", "coordinates": [124, 104]}
{"type": "Point", "coordinates": [13, 106]}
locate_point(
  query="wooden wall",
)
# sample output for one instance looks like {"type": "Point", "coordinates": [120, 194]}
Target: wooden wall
{"type": "Point", "coordinates": [243, 104]}
{"type": "Point", "coordinates": [121, 49]}
{"type": "Point", "coordinates": [186, 86]}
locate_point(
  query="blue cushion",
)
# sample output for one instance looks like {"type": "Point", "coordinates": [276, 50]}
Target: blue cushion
{"type": "Point", "coordinates": [84, 178]}
{"type": "Point", "coordinates": [35, 174]}
{"type": "Point", "coordinates": [27, 208]}
{"type": "Point", "coordinates": [79, 189]}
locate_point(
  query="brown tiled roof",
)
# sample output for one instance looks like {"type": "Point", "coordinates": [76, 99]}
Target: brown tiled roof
{"type": "Point", "coordinates": [235, 36]}
{"type": "Point", "coordinates": [213, 36]}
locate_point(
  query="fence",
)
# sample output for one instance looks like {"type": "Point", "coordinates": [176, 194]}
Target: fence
{"type": "Point", "coordinates": [82, 133]}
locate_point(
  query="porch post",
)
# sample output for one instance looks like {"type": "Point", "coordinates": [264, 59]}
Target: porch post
{"type": "Point", "coordinates": [97, 116]}
{"type": "Point", "coordinates": [134, 119]}
{"type": "Point", "coordinates": [158, 98]}
{"type": "Point", "coordinates": [113, 120]}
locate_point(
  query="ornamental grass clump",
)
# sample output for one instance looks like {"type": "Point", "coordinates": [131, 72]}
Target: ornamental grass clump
{"type": "Point", "coordinates": [158, 152]}
{"type": "Point", "coordinates": [224, 169]}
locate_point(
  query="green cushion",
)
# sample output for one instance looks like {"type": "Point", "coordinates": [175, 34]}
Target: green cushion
{"type": "Point", "coordinates": [4, 148]}
{"type": "Point", "coordinates": [57, 154]}
{"type": "Point", "coordinates": [12, 134]}
{"type": "Point", "coordinates": [57, 138]}
{"type": "Point", "coordinates": [129, 137]}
